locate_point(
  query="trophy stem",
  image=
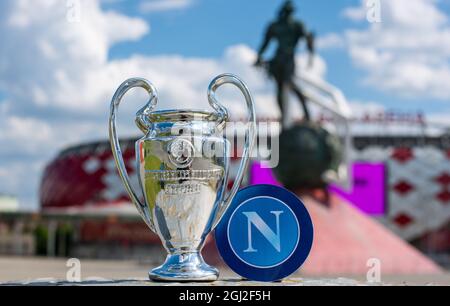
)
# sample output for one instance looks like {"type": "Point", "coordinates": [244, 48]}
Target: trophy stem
{"type": "Point", "coordinates": [184, 267]}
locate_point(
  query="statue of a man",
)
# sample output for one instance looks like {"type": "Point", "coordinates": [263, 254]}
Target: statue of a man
{"type": "Point", "coordinates": [288, 32]}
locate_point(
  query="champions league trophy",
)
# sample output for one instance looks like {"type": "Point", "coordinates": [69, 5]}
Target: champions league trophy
{"type": "Point", "coordinates": [183, 164]}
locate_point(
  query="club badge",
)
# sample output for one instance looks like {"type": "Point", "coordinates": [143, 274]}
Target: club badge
{"type": "Point", "coordinates": [266, 234]}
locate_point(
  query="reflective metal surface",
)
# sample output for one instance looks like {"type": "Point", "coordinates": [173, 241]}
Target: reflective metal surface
{"type": "Point", "coordinates": [183, 163]}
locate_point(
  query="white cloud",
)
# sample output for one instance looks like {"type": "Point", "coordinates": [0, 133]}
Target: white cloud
{"type": "Point", "coordinates": [49, 70]}
{"type": "Point", "coordinates": [355, 13]}
{"type": "Point", "coordinates": [58, 83]}
{"type": "Point", "coordinates": [148, 6]}
{"type": "Point", "coordinates": [331, 40]}
{"type": "Point", "coordinates": [47, 55]}
{"type": "Point", "coordinates": [366, 108]}
{"type": "Point", "coordinates": [408, 53]}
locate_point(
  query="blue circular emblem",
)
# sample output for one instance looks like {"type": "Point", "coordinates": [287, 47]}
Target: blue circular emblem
{"type": "Point", "coordinates": [266, 234]}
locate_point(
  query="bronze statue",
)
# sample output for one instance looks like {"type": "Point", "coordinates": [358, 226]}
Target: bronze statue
{"type": "Point", "coordinates": [288, 32]}
{"type": "Point", "coordinates": [307, 150]}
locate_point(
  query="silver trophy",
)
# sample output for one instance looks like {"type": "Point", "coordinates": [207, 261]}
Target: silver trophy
{"type": "Point", "coordinates": [183, 164]}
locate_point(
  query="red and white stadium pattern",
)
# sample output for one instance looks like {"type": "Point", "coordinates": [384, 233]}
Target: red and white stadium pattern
{"type": "Point", "coordinates": [85, 179]}
{"type": "Point", "coordinates": [418, 187]}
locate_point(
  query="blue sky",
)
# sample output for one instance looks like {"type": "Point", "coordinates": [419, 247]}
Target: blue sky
{"type": "Point", "coordinates": [207, 28]}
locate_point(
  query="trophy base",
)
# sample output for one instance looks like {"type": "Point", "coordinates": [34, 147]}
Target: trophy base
{"type": "Point", "coordinates": [187, 267]}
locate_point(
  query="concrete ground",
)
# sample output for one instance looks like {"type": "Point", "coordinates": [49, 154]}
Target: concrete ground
{"type": "Point", "coordinates": [50, 271]}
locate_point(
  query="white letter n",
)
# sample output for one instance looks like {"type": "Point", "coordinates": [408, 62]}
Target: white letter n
{"type": "Point", "coordinates": [274, 238]}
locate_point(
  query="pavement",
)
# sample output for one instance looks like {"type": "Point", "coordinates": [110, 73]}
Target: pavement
{"type": "Point", "coordinates": [53, 272]}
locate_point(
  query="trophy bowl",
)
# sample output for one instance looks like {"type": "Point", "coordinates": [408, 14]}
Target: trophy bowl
{"type": "Point", "coordinates": [183, 164]}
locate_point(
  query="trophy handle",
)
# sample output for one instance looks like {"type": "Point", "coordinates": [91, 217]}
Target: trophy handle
{"type": "Point", "coordinates": [142, 123]}
{"type": "Point", "coordinates": [250, 134]}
